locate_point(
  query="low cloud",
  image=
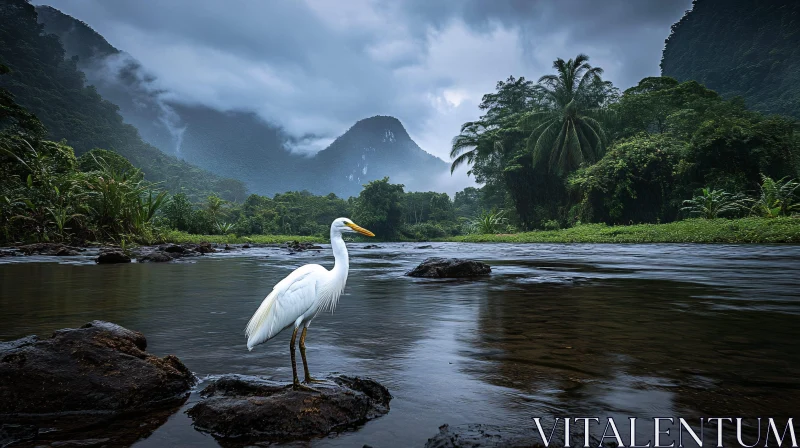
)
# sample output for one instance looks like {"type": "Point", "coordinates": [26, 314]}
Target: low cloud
{"type": "Point", "coordinates": [316, 67]}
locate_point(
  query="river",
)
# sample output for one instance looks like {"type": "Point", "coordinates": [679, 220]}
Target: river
{"type": "Point", "coordinates": [570, 330]}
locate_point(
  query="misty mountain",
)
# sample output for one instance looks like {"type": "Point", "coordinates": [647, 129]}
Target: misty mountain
{"type": "Point", "coordinates": [240, 144]}
{"type": "Point", "coordinates": [48, 83]}
{"type": "Point", "coordinates": [373, 148]}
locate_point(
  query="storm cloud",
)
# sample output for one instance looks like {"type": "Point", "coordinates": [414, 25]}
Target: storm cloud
{"type": "Point", "coordinates": [315, 67]}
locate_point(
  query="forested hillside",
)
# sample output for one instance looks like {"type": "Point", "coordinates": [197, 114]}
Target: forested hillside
{"type": "Point", "coordinates": [55, 90]}
{"type": "Point", "coordinates": [238, 143]}
{"type": "Point", "coordinates": [749, 48]}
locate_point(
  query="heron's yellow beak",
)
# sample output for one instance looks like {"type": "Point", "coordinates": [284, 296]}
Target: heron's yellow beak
{"type": "Point", "coordinates": [359, 229]}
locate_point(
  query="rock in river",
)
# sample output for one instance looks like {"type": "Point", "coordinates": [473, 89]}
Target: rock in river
{"type": "Point", "coordinates": [112, 257]}
{"type": "Point", "coordinates": [449, 268]}
{"type": "Point", "coordinates": [49, 249]}
{"type": "Point", "coordinates": [156, 256]}
{"type": "Point", "coordinates": [98, 369]}
{"type": "Point", "coordinates": [255, 409]}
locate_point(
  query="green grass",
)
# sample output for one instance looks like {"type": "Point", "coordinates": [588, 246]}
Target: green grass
{"type": "Point", "coordinates": [177, 237]}
{"type": "Point", "coordinates": [745, 230]}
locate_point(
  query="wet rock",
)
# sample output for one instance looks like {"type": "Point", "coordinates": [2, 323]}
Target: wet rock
{"type": "Point", "coordinates": [449, 268]}
{"type": "Point", "coordinates": [156, 256]}
{"type": "Point", "coordinates": [483, 436]}
{"type": "Point", "coordinates": [427, 246]}
{"type": "Point", "coordinates": [202, 248]}
{"type": "Point", "coordinates": [297, 246]}
{"type": "Point", "coordinates": [228, 247]}
{"type": "Point", "coordinates": [371, 246]}
{"type": "Point", "coordinates": [112, 257]}
{"type": "Point", "coordinates": [255, 409]}
{"type": "Point", "coordinates": [9, 253]}
{"type": "Point", "coordinates": [98, 369]}
{"type": "Point", "coordinates": [173, 249]}
{"type": "Point", "coordinates": [245, 246]}
{"type": "Point", "coordinates": [56, 249]}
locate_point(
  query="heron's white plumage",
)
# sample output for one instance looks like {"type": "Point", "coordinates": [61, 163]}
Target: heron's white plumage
{"type": "Point", "coordinates": [299, 297]}
{"type": "Point", "coordinates": [291, 298]}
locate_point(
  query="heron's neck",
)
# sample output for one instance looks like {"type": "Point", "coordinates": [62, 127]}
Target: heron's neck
{"type": "Point", "coordinates": [342, 262]}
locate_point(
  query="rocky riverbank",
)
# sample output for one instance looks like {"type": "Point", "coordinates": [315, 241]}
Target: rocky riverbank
{"type": "Point", "coordinates": [145, 254]}
{"type": "Point", "coordinates": [79, 378]}
{"type": "Point", "coordinates": [98, 386]}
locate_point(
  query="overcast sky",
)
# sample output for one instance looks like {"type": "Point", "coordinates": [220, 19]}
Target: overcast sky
{"type": "Point", "coordinates": [318, 66]}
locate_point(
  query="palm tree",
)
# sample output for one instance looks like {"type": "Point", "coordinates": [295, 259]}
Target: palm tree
{"type": "Point", "coordinates": [469, 145]}
{"type": "Point", "coordinates": [565, 129]}
{"type": "Point", "coordinates": [486, 139]}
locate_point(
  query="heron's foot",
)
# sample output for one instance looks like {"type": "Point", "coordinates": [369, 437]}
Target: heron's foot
{"type": "Point", "coordinates": [311, 380]}
{"type": "Point", "coordinates": [297, 385]}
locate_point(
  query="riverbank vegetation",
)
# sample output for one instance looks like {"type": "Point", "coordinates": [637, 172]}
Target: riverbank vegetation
{"type": "Point", "coordinates": [567, 158]}
{"type": "Point", "coordinates": [697, 230]}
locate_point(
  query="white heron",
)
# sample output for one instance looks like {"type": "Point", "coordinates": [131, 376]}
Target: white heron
{"type": "Point", "coordinates": [298, 298]}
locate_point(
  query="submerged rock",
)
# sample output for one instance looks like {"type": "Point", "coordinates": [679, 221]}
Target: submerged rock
{"type": "Point", "coordinates": [371, 246]}
{"type": "Point", "coordinates": [255, 409]}
{"type": "Point", "coordinates": [449, 268]}
{"type": "Point", "coordinates": [112, 257]}
{"type": "Point", "coordinates": [483, 436]}
{"type": "Point", "coordinates": [78, 377]}
{"type": "Point", "coordinates": [156, 256]}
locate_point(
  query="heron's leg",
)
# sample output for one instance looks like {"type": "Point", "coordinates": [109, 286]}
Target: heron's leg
{"type": "Point", "coordinates": [308, 379]}
{"type": "Point", "coordinates": [295, 381]}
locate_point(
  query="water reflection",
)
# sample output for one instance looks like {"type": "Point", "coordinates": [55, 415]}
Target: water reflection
{"type": "Point", "coordinates": [569, 330]}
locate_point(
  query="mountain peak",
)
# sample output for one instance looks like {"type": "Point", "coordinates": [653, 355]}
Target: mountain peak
{"type": "Point", "coordinates": [389, 127]}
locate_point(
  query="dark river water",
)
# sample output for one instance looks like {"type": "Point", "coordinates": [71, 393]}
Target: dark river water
{"type": "Point", "coordinates": [569, 330]}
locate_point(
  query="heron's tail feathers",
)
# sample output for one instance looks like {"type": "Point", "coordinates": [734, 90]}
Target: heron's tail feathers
{"type": "Point", "coordinates": [260, 328]}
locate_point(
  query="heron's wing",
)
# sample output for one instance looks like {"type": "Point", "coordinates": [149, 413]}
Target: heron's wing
{"type": "Point", "coordinates": [290, 298]}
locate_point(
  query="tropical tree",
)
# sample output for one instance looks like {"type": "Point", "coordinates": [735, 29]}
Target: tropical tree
{"type": "Point", "coordinates": [379, 207]}
{"type": "Point", "coordinates": [485, 141]}
{"type": "Point", "coordinates": [566, 130]}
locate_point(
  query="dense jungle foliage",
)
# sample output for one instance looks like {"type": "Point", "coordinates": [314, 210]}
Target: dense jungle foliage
{"type": "Point", "coordinates": [748, 48]}
{"type": "Point", "coordinates": [55, 90]}
{"type": "Point", "coordinates": [570, 148]}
